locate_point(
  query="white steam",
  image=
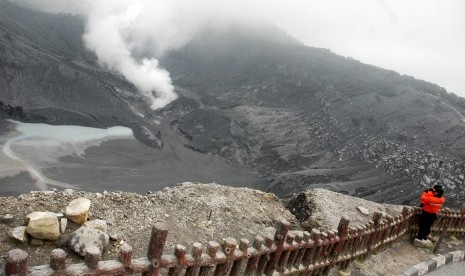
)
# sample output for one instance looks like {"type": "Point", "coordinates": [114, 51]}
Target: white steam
{"type": "Point", "coordinates": [105, 36]}
{"type": "Point", "coordinates": [128, 35]}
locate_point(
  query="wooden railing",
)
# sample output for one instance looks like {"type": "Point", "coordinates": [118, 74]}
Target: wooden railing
{"type": "Point", "coordinates": [287, 253]}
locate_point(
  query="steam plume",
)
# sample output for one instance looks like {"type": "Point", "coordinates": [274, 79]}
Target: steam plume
{"type": "Point", "coordinates": [104, 36]}
{"type": "Point", "coordinates": [118, 31]}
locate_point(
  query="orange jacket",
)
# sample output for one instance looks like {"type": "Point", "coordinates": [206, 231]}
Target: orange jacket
{"type": "Point", "coordinates": [431, 204]}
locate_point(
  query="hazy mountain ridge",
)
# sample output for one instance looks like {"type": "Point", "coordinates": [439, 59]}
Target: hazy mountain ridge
{"type": "Point", "coordinates": [313, 114]}
{"type": "Point", "coordinates": [300, 116]}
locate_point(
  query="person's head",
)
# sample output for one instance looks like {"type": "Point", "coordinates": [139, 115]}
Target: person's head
{"type": "Point", "coordinates": [438, 189]}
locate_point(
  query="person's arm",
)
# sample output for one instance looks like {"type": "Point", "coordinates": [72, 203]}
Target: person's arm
{"type": "Point", "coordinates": [430, 199]}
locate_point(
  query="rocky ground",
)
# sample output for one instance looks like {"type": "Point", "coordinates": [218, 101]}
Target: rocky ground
{"type": "Point", "coordinates": [193, 212]}
{"type": "Point", "coordinates": [204, 212]}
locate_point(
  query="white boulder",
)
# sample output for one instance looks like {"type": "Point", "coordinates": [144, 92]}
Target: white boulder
{"type": "Point", "coordinates": [86, 238]}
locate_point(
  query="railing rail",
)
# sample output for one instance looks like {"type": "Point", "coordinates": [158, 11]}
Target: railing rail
{"type": "Point", "coordinates": [287, 253]}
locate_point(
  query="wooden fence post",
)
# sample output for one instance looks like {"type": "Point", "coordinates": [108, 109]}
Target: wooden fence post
{"type": "Point", "coordinates": [180, 253]}
{"type": "Point", "coordinates": [212, 250]}
{"type": "Point", "coordinates": [16, 263]}
{"type": "Point", "coordinates": [125, 257]}
{"type": "Point", "coordinates": [462, 222]}
{"type": "Point", "coordinates": [197, 254]}
{"type": "Point", "coordinates": [92, 257]}
{"type": "Point", "coordinates": [279, 239]}
{"type": "Point", "coordinates": [58, 259]}
{"type": "Point", "coordinates": [253, 262]}
{"type": "Point", "coordinates": [404, 221]}
{"type": "Point", "coordinates": [319, 242]}
{"type": "Point", "coordinates": [156, 246]}
{"type": "Point", "coordinates": [269, 241]}
{"type": "Point", "coordinates": [441, 236]}
{"type": "Point", "coordinates": [304, 244]}
{"type": "Point", "coordinates": [342, 232]}
{"type": "Point", "coordinates": [243, 246]}
{"type": "Point", "coordinates": [283, 261]}
{"type": "Point", "coordinates": [299, 236]}
{"type": "Point", "coordinates": [229, 246]}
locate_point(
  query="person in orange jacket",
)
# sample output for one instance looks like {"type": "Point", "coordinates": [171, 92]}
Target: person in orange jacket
{"type": "Point", "coordinates": [431, 202]}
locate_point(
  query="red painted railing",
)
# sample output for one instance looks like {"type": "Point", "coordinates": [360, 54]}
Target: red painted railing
{"type": "Point", "coordinates": [287, 253]}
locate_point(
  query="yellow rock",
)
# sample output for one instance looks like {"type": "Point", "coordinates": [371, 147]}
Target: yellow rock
{"type": "Point", "coordinates": [78, 210]}
{"type": "Point", "coordinates": [43, 226]}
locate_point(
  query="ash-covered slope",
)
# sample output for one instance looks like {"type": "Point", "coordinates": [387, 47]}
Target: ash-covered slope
{"type": "Point", "coordinates": [251, 96]}
{"type": "Point", "coordinates": [304, 116]}
{"type": "Point", "coordinates": [47, 75]}
{"type": "Point", "coordinates": [46, 70]}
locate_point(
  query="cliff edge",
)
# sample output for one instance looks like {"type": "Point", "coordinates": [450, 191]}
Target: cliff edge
{"type": "Point", "coordinates": [200, 213]}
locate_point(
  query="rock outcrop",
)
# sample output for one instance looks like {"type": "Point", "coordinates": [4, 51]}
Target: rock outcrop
{"type": "Point", "coordinates": [323, 209]}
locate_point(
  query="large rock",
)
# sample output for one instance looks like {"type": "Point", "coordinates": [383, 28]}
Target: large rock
{"type": "Point", "coordinates": [86, 238]}
{"type": "Point", "coordinates": [43, 226]}
{"type": "Point", "coordinates": [78, 210]}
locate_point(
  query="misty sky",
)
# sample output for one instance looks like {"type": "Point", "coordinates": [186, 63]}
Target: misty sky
{"type": "Point", "coordinates": [422, 38]}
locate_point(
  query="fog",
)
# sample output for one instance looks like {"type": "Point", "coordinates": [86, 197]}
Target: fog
{"type": "Point", "coordinates": [425, 39]}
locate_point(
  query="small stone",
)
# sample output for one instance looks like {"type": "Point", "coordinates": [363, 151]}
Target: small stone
{"type": "Point", "coordinates": [8, 218]}
{"type": "Point", "coordinates": [114, 236]}
{"type": "Point", "coordinates": [363, 210]}
{"type": "Point", "coordinates": [122, 242]}
{"type": "Point", "coordinates": [68, 191]}
{"type": "Point", "coordinates": [99, 195]}
{"type": "Point", "coordinates": [37, 242]}
{"type": "Point", "coordinates": [59, 215]}
{"type": "Point", "coordinates": [344, 272]}
{"type": "Point", "coordinates": [63, 224]}
{"type": "Point", "coordinates": [166, 215]}
{"type": "Point", "coordinates": [18, 233]}
{"type": "Point", "coordinates": [105, 193]}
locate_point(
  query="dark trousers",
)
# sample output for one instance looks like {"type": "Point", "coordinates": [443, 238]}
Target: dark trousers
{"type": "Point", "coordinates": [425, 222]}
